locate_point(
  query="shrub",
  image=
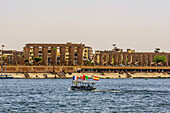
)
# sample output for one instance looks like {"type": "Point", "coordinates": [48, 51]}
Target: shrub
{"type": "Point", "coordinates": [37, 59]}
{"type": "Point", "coordinates": [54, 49]}
{"type": "Point", "coordinates": [159, 58]}
{"type": "Point", "coordinates": [26, 60]}
{"type": "Point", "coordinates": [3, 57]}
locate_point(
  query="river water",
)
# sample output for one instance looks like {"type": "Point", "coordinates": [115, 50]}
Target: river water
{"type": "Point", "coordinates": [112, 95]}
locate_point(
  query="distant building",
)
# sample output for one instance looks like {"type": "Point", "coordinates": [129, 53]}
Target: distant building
{"type": "Point", "coordinates": [130, 51]}
{"type": "Point", "coordinates": [12, 57]}
{"type": "Point", "coordinates": [72, 54]}
{"type": "Point", "coordinates": [117, 50]}
{"type": "Point", "coordinates": [59, 54]}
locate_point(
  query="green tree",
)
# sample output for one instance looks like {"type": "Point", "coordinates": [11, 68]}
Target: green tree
{"type": "Point", "coordinates": [26, 60]}
{"type": "Point", "coordinates": [159, 58]}
{"type": "Point", "coordinates": [122, 61]}
{"type": "Point", "coordinates": [23, 55]}
{"type": "Point", "coordinates": [92, 63]}
{"type": "Point", "coordinates": [89, 62]}
{"type": "Point", "coordinates": [54, 49]}
{"type": "Point", "coordinates": [108, 60]}
{"type": "Point", "coordinates": [126, 61]}
{"type": "Point", "coordinates": [112, 59]}
{"type": "Point", "coordinates": [37, 59]}
{"type": "Point", "coordinates": [3, 57]}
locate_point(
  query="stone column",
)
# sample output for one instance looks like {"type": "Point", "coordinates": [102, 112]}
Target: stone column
{"type": "Point", "coordinates": [27, 53]}
{"type": "Point", "coordinates": [62, 55]}
{"type": "Point", "coordinates": [133, 59]}
{"type": "Point", "coordinates": [13, 62]}
{"type": "Point", "coordinates": [124, 59]}
{"type": "Point", "coordinates": [119, 59]}
{"type": "Point", "coordinates": [98, 59]}
{"type": "Point", "coordinates": [21, 61]}
{"type": "Point", "coordinates": [71, 56]}
{"type": "Point", "coordinates": [95, 58]}
{"type": "Point", "coordinates": [129, 58]}
{"type": "Point", "coordinates": [53, 55]}
{"type": "Point", "coordinates": [144, 59]}
{"type": "Point", "coordinates": [141, 59]}
{"type": "Point", "coordinates": [45, 55]}
{"type": "Point", "coordinates": [14, 58]}
{"type": "Point", "coordinates": [106, 59]}
{"type": "Point", "coordinates": [110, 59]}
{"type": "Point", "coordinates": [167, 60]}
{"type": "Point", "coordinates": [18, 60]}
{"type": "Point", "coordinates": [101, 59]}
{"type": "Point", "coordinates": [150, 59]}
{"type": "Point", "coordinates": [115, 59]}
{"type": "Point", "coordinates": [138, 59]}
{"type": "Point", "coordinates": [0, 62]}
{"type": "Point", "coordinates": [35, 51]}
{"type": "Point", "coordinates": [7, 60]}
{"type": "Point", "coordinates": [80, 55]}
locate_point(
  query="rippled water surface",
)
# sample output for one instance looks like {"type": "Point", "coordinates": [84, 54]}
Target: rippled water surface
{"type": "Point", "coordinates": [112, 95]}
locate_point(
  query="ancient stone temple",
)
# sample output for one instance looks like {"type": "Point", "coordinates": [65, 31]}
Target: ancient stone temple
{"type": "Point", "coordinates": [110, 58]}
{"type": "Point", "coordinates": [68, 54]}
{"type": "Point", "coordinates": [12, 57]}
{"type": "Point", "coordinates": [73, 54]}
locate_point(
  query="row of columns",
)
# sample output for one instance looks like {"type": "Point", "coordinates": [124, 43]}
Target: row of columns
{"type": "Point", "coordinates": [14, 59]}
{"type": "Point", "coordinates": [71, 51]}
{"type": "Point", "coordinates": [127, 59]}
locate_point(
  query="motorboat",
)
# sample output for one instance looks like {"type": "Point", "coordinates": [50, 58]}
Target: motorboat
{"type": "Point", "coordinates": [83, 85]}
{"type": "Point", "coordinates": [6, 76]}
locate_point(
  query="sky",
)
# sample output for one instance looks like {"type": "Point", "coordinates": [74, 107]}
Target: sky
{"type": "Point", "coordinates": [141, 25]}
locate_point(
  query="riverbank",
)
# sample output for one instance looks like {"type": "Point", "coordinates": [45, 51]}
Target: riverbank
{"type": "Point", "coordinates": [90, 75]}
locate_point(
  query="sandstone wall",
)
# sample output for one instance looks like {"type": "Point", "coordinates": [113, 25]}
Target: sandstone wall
{"type": "Point", "coordinates": [11, 69]}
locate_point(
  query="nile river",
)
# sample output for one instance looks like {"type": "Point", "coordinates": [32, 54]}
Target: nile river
{"type": "Point", "coordinates": [113, 95]}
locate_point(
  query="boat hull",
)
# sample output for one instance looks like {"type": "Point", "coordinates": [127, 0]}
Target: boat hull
{"type": "Point", "coordinates": [6, 77]}
{"type": "Point", "coordinates": [82, 88]}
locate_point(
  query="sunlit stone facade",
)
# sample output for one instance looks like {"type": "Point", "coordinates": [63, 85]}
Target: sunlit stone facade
{"type": "Point", "coordinates": [68, 54]}
{"type": "Point", "coordinates": [111, 58]}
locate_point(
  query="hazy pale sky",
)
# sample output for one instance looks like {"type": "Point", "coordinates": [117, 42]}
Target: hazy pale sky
{"type": "Point", "coordinates": [137, 24]}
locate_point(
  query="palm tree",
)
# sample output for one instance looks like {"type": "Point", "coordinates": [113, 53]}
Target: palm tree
{"type": "Point", "coordinates": [157, 50]}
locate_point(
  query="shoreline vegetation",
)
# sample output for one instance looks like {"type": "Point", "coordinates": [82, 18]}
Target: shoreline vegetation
{"type": "Point", "coordinates": [143, 75]}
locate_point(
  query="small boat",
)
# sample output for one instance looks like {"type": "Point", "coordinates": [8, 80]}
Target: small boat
{"type": "Point", "coordinates": [6, 76]}
{"type": "Point", "coordinates": [82, 85]}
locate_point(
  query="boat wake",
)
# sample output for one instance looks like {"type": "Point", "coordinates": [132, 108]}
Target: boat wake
{"type": "Point", "coordinates": [96, 90]}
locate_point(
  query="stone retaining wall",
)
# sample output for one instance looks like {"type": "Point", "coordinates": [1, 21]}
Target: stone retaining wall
{"type": "Point", "coordinates": [39, 69]}
{"type": "Point", "coordinates": [44, 69]}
